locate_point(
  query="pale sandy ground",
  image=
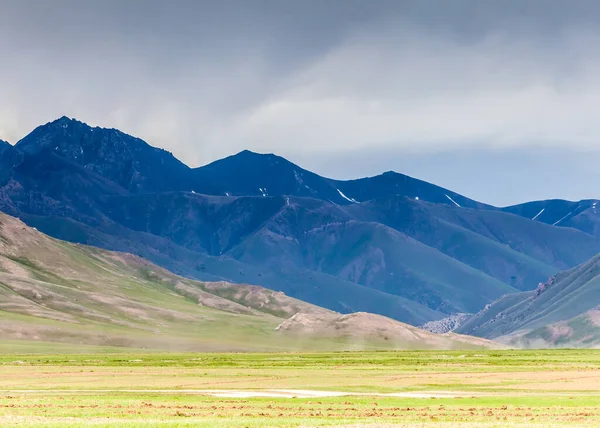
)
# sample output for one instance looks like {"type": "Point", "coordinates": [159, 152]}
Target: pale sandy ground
{"type": "Point", "coordinates": [287, 393]}
{"type": "Point", "coordinates": [455, 425]}
{"type": "Point", "coordinates": [71, 422]}
{"type": "Point", "coordinates": [309, 393]}
{"type": "Point", "coordinates": [269, 393]}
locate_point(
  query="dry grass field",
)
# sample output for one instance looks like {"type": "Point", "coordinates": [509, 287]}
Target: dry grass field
{"type": "Point", "coordinates": [354, 389]}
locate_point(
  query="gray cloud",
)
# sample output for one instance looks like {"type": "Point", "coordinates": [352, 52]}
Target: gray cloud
{"type": "Point", "coordinates": [313, 80]}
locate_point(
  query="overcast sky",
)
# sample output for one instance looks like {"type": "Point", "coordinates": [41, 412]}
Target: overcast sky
{"type": "Point", "coordinates": [498, 100]}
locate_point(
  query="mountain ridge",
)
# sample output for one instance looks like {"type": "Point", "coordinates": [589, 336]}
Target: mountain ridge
{"type": "Point", "coordinates": [580, 215]}
{"type": "Point", "coordinates": [85, 145]}
{"type": "Point", "coordinates": [388, 244]}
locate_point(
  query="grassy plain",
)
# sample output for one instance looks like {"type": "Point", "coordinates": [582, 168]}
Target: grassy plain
{"type": "Point", "coordinates": [405, 388]}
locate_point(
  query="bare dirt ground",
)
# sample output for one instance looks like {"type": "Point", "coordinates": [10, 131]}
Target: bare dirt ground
{"type": "Point", "coordinates": [234, 379]}
{"type": "Point", "coordinates": [270, 393]}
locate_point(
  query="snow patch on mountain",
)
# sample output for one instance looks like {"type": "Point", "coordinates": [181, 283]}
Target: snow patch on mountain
{"type": "Point", "coordinates": [346, 197]}
{"type": "Point", "coordinates": [452, 200]}
{"type": "Point", "coordinates": [555, 223]}
{"type": "Point", "coordinates": [297, 177]}
{"type": "Point", "coordinates": [538, 214]}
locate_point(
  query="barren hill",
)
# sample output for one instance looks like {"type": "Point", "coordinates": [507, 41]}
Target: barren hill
{"type": "Point", "coordinates": [54, 291]}
{"type": "Point", "coordinates": [359, 327]}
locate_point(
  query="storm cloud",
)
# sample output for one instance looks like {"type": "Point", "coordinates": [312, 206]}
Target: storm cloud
{"type": "Point", "coordinates": [432, 88]}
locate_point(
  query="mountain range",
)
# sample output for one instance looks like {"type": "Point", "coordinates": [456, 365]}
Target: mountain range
{"type": "Point", "coordinates": [58, 294]}
{"type": "Point", "coordinates": [390, 244]}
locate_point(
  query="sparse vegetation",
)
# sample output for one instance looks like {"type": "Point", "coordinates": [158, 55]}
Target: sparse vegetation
{"type": "Point", "coordinates": [24, 261]}
{"type": "Point", "coordinates": [82, 295]}
{"type": "Point", "coordinates": [430, 388]}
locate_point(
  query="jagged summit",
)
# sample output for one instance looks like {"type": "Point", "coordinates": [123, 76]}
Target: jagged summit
{"type": "Point", "coordinates": [129, 161]}
{"type": "Point", "coordinates": [66, 119]}
{"type": "Point", "coordinates": [64, 126]}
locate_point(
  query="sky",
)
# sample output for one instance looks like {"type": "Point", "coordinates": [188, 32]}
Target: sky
{"type": "Point", "coordinates": [497, 100]}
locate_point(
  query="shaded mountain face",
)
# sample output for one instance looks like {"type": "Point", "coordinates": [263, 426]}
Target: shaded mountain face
{"type": "Point", "coordinates": [582, 215]}
{"type": "Point", "coordinates": [252, 174]}
{"type": "Point", "coordinates": [507, 247]}
{"type": "Point", "coordinates": [391, 184]}
{"type": "Point", "coordinates": [4, 145]}
{"type": "Point", "coordinates": [390, 244]}
{"type": "Point", "coordinates": [118, 157]}
{"type": "Point", "coordinates": [249, 173]}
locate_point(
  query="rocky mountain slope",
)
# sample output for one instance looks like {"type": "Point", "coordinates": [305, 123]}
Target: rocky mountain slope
{"type": "Point", "coordinates": [563, 297]}
{"type": "Point", "coordinates": [448, 324]}
{"type": "Point", "coordinates": [390, 244]}
{"type": "Point", "coordinates": [54, 291]}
